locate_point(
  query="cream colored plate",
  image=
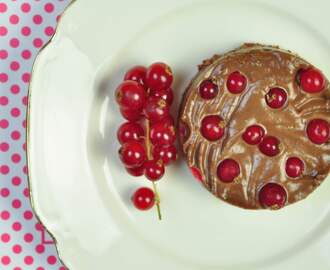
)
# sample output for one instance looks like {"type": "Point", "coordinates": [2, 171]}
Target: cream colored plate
{"type": "Point", "coordinates": [80, 190]}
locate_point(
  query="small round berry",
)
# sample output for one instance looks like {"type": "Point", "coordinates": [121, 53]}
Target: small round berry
{"type": "Point", "coordinates": [156, 109]}
{"type": "Point", "coordinates": [130, 131]}
{"type": "Point", "coordinates": [270, 146]}
{"type": "Point", "coordinates": [154, 169]}
{"type": "Point", "coordinates": [228, 170]}
{"type": "Point", "coordinates": [276, 98]}
{"type": "Point", "coordinates": [253, 134]}
{"type": "Point", "coordinates": [318, 131]}
{"type": "Point", "coordinates": [138, 171]}
{"type": "Point", "coordinates": [236, 82]}
{"type": "Point", "coordinates": [169, 121]}
{"type": "Point", "coordinates": [212, 127]}
{"type": "Point", "coordinates": [311, 80]}
{"type": "Point", "coordinates": [272, 196]}
{"type": "Point", "coordinates": [159, 76]}
{"type": "Point", "coordinates": [166, 95]}
{"type": "Point", "coordinates": [137, 74]}
{"type": "Point", "coordinates": [144, 198]}
{"type": "Point", "coordinates": [161, 134]}
{"type": "Point", "coordinates": [294, 167]}
{"type": "Point", "coordinates": [132, 154]}
{"type": "Point", "coordinates": [131, 115]}
{"type": "Point", "coordinates": [165, 153]}
{"type": "Point", "coordinates": [184, 132]}
{"type": "Point", "coordinates": [131, 95]}
{"type": "Point", "coordinates": [208, 89]}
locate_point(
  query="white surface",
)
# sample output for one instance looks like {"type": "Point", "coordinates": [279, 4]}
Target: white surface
{"type": "Point", "coordinates": [73, 150]}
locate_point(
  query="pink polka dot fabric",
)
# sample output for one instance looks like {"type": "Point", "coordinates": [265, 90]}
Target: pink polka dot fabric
{"type": "Point", "coordinates": [25, 26]}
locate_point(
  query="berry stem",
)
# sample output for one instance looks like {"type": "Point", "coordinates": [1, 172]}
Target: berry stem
{"type": "Point", "coordinates": [149, 155]}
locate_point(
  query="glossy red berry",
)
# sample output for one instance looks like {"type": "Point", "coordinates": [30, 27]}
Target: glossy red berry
{"type": "Point", "coordinates": [236, 82]}
{"type": "Point", "coordinates": [208, 89]}
{"type": "Point", "coordinates": [167, 121]}
{"type": "Point", "coordinates": [132, 154]}
{"type": "Point", "coordinates": [159, 77]}
{"type": "Point", "coordinates": [165, 153]}
{"type": "Point", "coordinates": [272, 196]}
{"type": "Point", "coordinates": [131, 115]}
{"type": "Point", "coordinates": [154, 169]}
{"type": "Point", "coordinates": [253, 134]}
{"type": "Point", "coordinates": [137, 73]}
{"type": "Point", "coordinates": [131, 95]}
{"type": "Point", "coordinates": [212, 127]}
{"type": "Point", "coordinates": [184, 131]}
{"type": "Point", "coordinates": [130, 131]}
{"type": "Point", "coordinates": [294, 167]}
{"type": "Point", "coordinates": [228, 170]}
{"type": "Point", "coordinates": [138, 171]}
{"type": "Point", "coordinates": [276, 98]}
{"type": "Point", "coordinates": [166, 95]}
{"type": "Point", "coordinates": [161, 134]}
{"type": "Point", "coordinates": [143, 198]}
{"type": "Point", "coordinates": [318, 131]}
{"type": "Point", "coordinates": [156, 109]}
{"type": "Point", "coordinates": [311, 80]}
{"type": "Point", "coordinates": [270, 146]}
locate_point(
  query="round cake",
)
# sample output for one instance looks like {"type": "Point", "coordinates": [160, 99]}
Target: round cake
{"type": "Point", "coordinates": [254, 127]}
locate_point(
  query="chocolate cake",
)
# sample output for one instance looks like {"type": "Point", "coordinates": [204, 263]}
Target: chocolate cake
{"type": "Point", "coordinates": [254, 127]}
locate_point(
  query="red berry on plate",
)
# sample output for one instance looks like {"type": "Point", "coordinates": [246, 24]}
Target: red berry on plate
{"type": "Point", "coordinates": [276, 98]}
{"type": "Point", "coordinates": [184, 131]}
{"type": "Point", "coordinates": [270, 146]}
{"type": "Point", "coordinates": [228, 170]}
{"type": "Point", "coordinates": [161, 134]}
{"type": "Point", "coordinates": [131, 95]}
{"type": "Point", "coordinates": [311, 80]}
{"type": "Point", "coordinates": [166, 94]}
{"type": "Point", "coordinates": [132, 154]}
{"type": "Point", "coordinates": [294, 167]}
{"type": "Point", "coordinates": [143, 198]}
{"type": "Point", "coordinates": [138, 171]}
{"type": "Point", "coordinates": [253, 134]}
{"type": "Point", "coordinates": [156, 109]}
{"type": "Point", "coordinates": [130, 131]}
{"type": "Point", "coordinates": [131, 115]}
{"type": "Point", "coordinates": [137, 73]}
{"type": "Point", "coordinates": [318, 131]}
{"type": "Point", "coordinates": [169, 121]}
{"type": "Point", "coordinates": [212, 127]}
{"type": "Point", "coordinates": [165, 153]}
{"type": "Point", "coordinates": [236, 82]}
{"type": "Point", "coordinates": [208, 89]}
{"type": "Point", "coordinates": [154, 170]}
{"type": "Point", "coordinates": [159, 77]}
{"type": "Point", "coordinates": [272, 196]}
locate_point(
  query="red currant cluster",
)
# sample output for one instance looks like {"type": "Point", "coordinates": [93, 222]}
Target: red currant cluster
{"type": "Point", "coordinates": [147, 138]}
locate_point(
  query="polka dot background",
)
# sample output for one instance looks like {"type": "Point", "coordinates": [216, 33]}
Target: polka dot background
{"type": "Point", "coordinates": [24, 27]}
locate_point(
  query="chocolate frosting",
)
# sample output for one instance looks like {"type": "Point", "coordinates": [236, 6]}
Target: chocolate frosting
{"type": "Point", "coordinates": [265, 67]}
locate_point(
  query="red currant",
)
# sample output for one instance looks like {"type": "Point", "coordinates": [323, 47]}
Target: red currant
{"type": "Point", "coordinates": [318, 131]}
{"type": "Point", "coordinates": [132, 154]}
{"type": "Point", "coordinates": [311, 80]}
{"type": "Point", "coordinates": [294, 167]}
{"type": "Point", "coordinates": [130, 132]}
{"type": "Point", "coordinates": [236, 82]}
{"type": "Point", "coordinates": [131, 115]}
{"type": "Point", "coordinates": [131, 95]}
{"type": "Point", "coordinates": [272, 196]}
{"type": "Point", "coordinates": [169, 121]}
{"type": "Point", "coordinates": [208, 89]}
{"type": "Point", "coordinates": [138, 171]}
{"type": "Point", "coordinates": [166, 95]}
{"type": "Point", "coordinates": [228, 170]}
{"type": "Point", "coordinates": [156, 109]}
{"type": "Point", "coordinates": [159, 77]}
{"type": "Point", "coordinates": [161, 134]}
{"type": "Point", "coordinates": [270, 146]}
{"type": "Point", "coordinates": [165, 153]}
{"type": "Point", "coordinates": [137, 73]}
{"type": "Point", "coordinates": [253, 134]}
{"type": "Point", "coordinates": [154, 170]}
{"type": "Point", "coordinates": [276, 98]}
{"type": "Point", "coordinates": [143, 198]}
{"type": "Point", "coordinates": [212, 127]}
{"type": "Point", "coordinates": [184, 131]}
